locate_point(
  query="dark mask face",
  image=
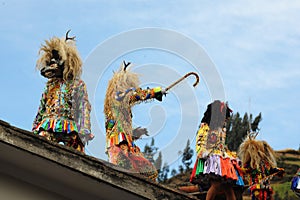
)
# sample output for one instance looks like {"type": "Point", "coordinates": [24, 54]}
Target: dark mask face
{"type": "Point", "coordinates": [54, 68]}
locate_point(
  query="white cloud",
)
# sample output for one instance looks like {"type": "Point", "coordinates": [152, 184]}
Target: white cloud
{"type": "Point", "coordinates": [260, 79]}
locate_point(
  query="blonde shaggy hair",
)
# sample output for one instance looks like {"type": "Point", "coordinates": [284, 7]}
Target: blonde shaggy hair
{"type": "Point", "coordinates": [256, 153]}
{"type": "Point", "coordinates": [68, 54]}
{"type": "Point", "coordinates": [120, 82]}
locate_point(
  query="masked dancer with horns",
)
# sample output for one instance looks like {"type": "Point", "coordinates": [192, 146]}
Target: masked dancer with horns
{"type": "Point", "coordinates": [64, 112]}
{"type": "Point", "coordinates": [123, 92]}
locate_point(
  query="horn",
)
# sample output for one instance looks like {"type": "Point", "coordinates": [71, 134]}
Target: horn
{"type": "Point", "coordinates": [126, 64]}
{"type": "Point", "coordinates": [69, 38]}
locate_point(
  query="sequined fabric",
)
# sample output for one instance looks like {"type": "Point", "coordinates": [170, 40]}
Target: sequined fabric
{"type": "Point", "coordinates": [64, 108]}
{"type": "Point", "coordinates": [214, 160]}
{"type": "Point", "coordinates": [120, 146]}
{"type": "Point", "coordinates": [260, 180]}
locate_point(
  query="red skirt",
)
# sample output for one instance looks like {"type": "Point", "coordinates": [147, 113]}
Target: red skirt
{"type": "Point", "coordinates": [132, 161]}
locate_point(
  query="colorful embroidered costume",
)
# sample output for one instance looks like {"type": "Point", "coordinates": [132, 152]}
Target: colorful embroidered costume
{"type": "Point", "coordinates": [123, 92]}
{"type": "Point", "coordinates": [64, 112]}
{"type": "Point", "coordinates": [259, 165]}
{"type": "Point", "coordinates": [295, 183]}
{"type": "Point", "coordinates": [214, 161]}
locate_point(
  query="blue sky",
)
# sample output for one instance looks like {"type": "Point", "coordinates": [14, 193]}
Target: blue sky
{"type": "Point", "coordinates": [255, 46]}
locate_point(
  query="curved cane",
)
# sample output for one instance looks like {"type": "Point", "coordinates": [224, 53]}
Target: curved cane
{"type": "Point", "coordinates": [120, 95]}
{"type": "Point", "coordinates": [182, 78]}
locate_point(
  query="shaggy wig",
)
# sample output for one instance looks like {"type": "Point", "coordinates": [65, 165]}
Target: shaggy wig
{"type": "Point", "coordinates": [256, 153]}
{"type": "Point", "coordinates": [68, 54]}
{"type": "Point", "coordinates": [120, 82]}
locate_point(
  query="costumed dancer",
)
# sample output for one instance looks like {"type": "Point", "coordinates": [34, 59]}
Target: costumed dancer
{"type": "Point", "coordinates": [123, 92]}
{"type": "Point", "coordinates": [295, 184]}
{"type": "Point", "coordinates": [259, 166]}
{"type": "Point", "coordinates": [216, 166]}
{"type": "Point", "coordinates": [64, 112]}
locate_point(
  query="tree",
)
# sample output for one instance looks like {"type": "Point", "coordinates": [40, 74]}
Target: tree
{"type": "Point", "coordinates": [163, 173]}
{"type": "Point", "coordinates": [237, 129]}
{"type": "Point", "coordinates": [255, 123]}
{"type": "Point", "coordinates": [158, 161]}
{"type": "Point", "coordinates": [187, 155]}
{"type": "Point", "coordinates": [173, 172]}
{"type": "Point", "coordinates": [180, 169]}
{"type": "Point", "coordinates": [150, 151]}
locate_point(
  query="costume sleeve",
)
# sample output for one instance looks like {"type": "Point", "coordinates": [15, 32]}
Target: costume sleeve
{"type": "Point", "coordinates": [146, 94]}
{"type": "Point", "coordinates": [40, 112]}
{"type": "Point", "coordinates": [83, 114]}
{"type": "Point", "coordinates": [202, 140]}
{"type": "Point", "coordinates": [277, 171]}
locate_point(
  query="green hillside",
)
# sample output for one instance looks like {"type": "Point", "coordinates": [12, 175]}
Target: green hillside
{"type": "Point", "coordinates": [288, 159]}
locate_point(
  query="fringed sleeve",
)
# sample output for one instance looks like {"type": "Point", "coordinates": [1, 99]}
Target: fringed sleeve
{"type": "Point", "coordinates": [146, 94]}
{"type": "Point", "coordinates": [83, 110]}
{"type": "Point", "coordinates": [40, 112]}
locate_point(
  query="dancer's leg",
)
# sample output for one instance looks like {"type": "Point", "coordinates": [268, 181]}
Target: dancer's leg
{"type": "Point", "coordinates": [229, 193]}
{"type": "Point", "coordinates": [213, 190]}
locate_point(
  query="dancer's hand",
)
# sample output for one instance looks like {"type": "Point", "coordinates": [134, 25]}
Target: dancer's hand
{"type": "Point", "coordinates": [163, 91]}
{"type": "Point", "coordinates": [159, 92]}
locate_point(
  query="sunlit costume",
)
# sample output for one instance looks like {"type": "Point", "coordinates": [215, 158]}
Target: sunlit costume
{"type": "Point", "coordinates": [215, 165]}
{"type": "Point", "coordinates": [122, 93]}
{"type": "Point", "coordinates": [259, 165]}
{"type": "Point", "coordinates": [295, 183]}
{"type": "Point", "coordinates": [64, 112]}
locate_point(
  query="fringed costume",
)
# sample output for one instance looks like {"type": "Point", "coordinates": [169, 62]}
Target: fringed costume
{"type": "Point", "coordinates": [215, 163]}
{"type": "Point", "coordinates": [122, 93]}
{"type": "Point", "coordinates": [64, 112]}
{"type": "Point", "coordinates": [259, 165]}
